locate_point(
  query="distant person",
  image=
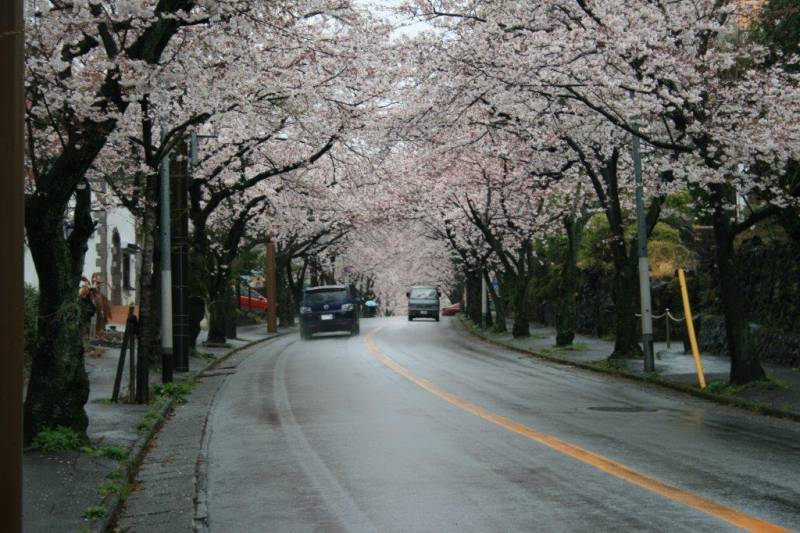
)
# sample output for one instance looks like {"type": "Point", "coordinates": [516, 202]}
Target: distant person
{"type": "Point", "coordinates": [86, 303]}
{"type": "Point", "coordinates": [101, 303]}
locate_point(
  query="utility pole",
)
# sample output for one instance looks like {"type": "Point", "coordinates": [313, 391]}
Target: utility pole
{"type": "Point", "coordinates": [272, 287]}
{"type": "Point", "coordinates": [484, 302]}
{"type": "Point", "coordinates": [179, 176]}
{"type": "Point", "coordinates": [166, 268]}
{"type": "Point", "coordinates": [11, 269]}
{"type": "Point", "coordinates": [644, 265]}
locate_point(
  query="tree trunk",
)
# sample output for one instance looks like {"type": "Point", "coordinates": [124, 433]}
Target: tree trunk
{"type": "Point", "coordinates": [473, 310]}
{"type": "Point", "coordinates": [522, 278]}
{"type": "Point", "coordinates": [58, 387]}
{"type": "Point", "coordinates": [745, 366]}
{"type": "Point", "coordinates": [296, 286]}
{"type": "Point", "coordinates": [567, 310]}
{"type": "Point", "coordinates": [521, 327]}
{"type": "Point", "coordinates": [626, 305]}
{"type": "Point", "coordinates": [197, 293]}
{"type": "Point", "coordinates": [498, 297]}
{"type": "Point", "coordinates": [232, 309]}
{"type": "Point", "coordinates": [150, 310]}
{"type": "Point", "coordinates": [567, 313]}
{"type": "Point", "coordinates": [217, 311]}
{"type": "Point", "coordinates": [286, 306]}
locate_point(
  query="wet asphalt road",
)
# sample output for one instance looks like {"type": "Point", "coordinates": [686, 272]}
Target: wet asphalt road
{"type": "Point", "coordinates": [329, 435]}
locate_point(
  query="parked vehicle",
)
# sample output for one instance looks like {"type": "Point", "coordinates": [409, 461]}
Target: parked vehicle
{"type": "Point", "coordinates": [451, 310]}
{"type": "Point", "coordinates": [250, 300]}
{"type": "Point", "coordinates": [328, 308]}
{"type": "Point", "coordinates": [423, 302]}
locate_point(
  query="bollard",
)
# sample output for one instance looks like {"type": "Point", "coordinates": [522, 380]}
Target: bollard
{"type": "Point", "coordinates": [687, 309]}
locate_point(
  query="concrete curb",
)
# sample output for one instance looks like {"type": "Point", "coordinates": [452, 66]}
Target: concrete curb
{"type": "Point", "coordinates": [139, 448]}
{"type": "Point", "coordinates": [135, 457]}
{"type": "Point", "coordinates": [752, 407]}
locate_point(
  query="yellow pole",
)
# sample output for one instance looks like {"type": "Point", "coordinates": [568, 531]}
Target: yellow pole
{"type": "Point", "coordinates": [687, 311]}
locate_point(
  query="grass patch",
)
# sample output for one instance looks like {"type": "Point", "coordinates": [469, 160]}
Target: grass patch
{"type": "Point", "coordinates": [113, 486]}
{"type": "Point", "coordinates": [768, 384]}
{"type": "Point", "coordinates": [94, 512]}
{"type": "Point", "coordinates": [723, 388]}
{"type": "Point", "coordinates": [726, 389]}
{"type": "Point", "coordinates": [176, 391]}
{"type": "Point", "coordinates": [574, 347]}
{"type": "Point", "coordinates": [603, 365]}
{"type": "Point", "coordinates": [58, 439]}
{"type": "Point", "coordinates": [153, 414]}
{"type": "Point", "coordinates": [109, 452]}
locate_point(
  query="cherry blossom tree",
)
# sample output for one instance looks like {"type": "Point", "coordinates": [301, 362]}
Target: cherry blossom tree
{"type": "Point", "coordinates": [105, 78]}
{"type": "Point", "coordinates": [678, 75]}
{"type": "Point", "coordinates": [81, 58]}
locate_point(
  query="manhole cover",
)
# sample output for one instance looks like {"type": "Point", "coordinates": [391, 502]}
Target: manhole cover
{"type": "Point", "coordinates": [623, 409]}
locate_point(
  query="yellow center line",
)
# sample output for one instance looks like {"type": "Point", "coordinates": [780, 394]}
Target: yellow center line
{"type": "Point", "coordinates": [600, 462]}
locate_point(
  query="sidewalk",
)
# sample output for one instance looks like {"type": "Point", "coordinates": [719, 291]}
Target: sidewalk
{"type": "Point", "coordinates": [778, 395]}
{"type": "Point", "coordinates": [166, 482]}
{"type": "Point", "coordinates": [59, 487]}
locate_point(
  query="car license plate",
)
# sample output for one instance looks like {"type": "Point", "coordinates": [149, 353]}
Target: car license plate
{"type": "Point", "coordinates": [326, 317]}
{"type": "Point", "coordinates": [423, 312]}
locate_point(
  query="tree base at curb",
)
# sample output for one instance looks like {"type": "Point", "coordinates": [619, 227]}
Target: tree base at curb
{"type": "Point", "coordinates": [211, 344]}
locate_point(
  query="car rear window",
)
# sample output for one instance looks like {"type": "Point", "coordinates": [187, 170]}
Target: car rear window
{"type": "Point", "coordinates": [326, 297]}
{"type": "Point", "coordinates": [423, 293]}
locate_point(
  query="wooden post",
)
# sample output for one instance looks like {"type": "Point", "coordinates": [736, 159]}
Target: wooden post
{"type": "Point", "coordinates": [142, 374]}
{"type": "Point", "coordinates": [272, 288]}
{"type": "Point", "coordinates": [11, 269]}
{"type": "Point", "coordinates": [133, 323]}
{"type": "Point", "coordinates": [126, 339]}
{"type": "Point", "coordinates": [128, 344]}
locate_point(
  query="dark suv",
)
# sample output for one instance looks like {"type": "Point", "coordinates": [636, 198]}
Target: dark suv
{"type": "Point", "coordinates": [328, 308]}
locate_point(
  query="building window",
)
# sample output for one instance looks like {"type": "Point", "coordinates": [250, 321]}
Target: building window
{"type": "Point", "coordinates": [126, 270]}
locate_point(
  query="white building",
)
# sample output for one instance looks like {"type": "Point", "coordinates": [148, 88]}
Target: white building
{"type": "Point", "coordinates": [112, 253]}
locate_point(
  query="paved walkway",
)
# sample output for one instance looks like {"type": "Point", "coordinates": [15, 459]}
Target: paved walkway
{"type": "Point", "coordinates": [59, 487]}
{"type": "Point", "coordinates": [781, 391]}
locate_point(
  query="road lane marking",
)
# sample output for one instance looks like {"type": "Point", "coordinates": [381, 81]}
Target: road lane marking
{"type": "Point", "coordinates": [619, 470]}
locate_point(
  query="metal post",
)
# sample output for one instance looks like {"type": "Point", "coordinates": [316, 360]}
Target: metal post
{"type": "Point", "coordinates": [644, 266]}
{"type": "Point", "coordinates": [666, 317]}
{"type": "Point", "coordinates": [132, 323]}
{"type": "Point", "coordinates": [484, 302]}
{"type": "Point", "coordinates": [272, 288]}
{"type": "Point", "coordinates": [11, 269]}
{"type": "Point", "coordinates": [179, 174]}
{"type": "Point", "coordinates": [687, 310]}
{"type": "Point", "coordinates": [193, 160]}
{"type": "Point", "coordinates": [166, 269]}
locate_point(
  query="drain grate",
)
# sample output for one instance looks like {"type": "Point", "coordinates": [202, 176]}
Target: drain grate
{"type": "Point", "coordinates": [623, 409]}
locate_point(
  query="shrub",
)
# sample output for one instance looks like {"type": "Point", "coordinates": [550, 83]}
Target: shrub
{"type": "Point", "coordinates": [177, 391]}
{"type": "Point", "coordinates": [58, 439]}
{"type": "Point", "coordinates": [94, 512]}
{"type": "Point", "coordinates": [109, 452]}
